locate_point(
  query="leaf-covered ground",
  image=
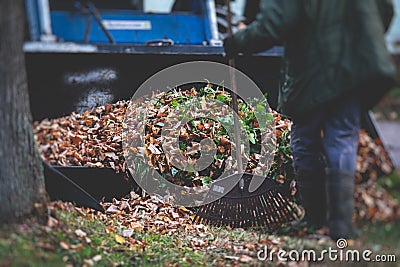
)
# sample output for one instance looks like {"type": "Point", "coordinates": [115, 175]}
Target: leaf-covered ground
{"type": "Point", "coordinates": [149, 232]}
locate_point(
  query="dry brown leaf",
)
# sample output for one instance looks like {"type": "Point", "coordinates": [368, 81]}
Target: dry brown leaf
{"type": "Point", "coordinates": [113, 209]}
{"type": "Point", "coordinates": [80, 233]}
{"type": "Point", "coordinates": [64, 245]}
{"type": "Point", "coordinates": [246, 259]}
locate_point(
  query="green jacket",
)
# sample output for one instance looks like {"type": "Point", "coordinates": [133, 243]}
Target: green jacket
{"type": "Point", "coordinates": [333, 49]}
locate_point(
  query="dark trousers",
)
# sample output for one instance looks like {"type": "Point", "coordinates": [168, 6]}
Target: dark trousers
{"type": "Point", "coordinates": [327, 138]}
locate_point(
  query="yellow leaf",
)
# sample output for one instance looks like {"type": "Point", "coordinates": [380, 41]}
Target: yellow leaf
{"type": "Point", "coordinates": [137, 226]}
{"type": "Point", "coordinates": [119, 239]}
{"type": "Point", "coordinates": [182, 208]}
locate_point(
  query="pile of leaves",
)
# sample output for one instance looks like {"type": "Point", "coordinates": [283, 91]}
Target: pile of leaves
{"type": "Point", "coordinates": [155, 215]}
{"type": "Point", "coordinates": [204, 120]}
{"type": "Point", "coordinates": [375, 204]}
{"type": "Point", "coordinates": [94, 139]}
{"type": "Point", "coordinates": [372, 160]}
{"type": "Point", "coordinates": [139, 231]}
{"type": "Point", "coordinates": [129, 218]}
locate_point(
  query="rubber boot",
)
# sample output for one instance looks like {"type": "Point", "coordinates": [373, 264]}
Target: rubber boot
{"type": "Point", "coordinates": [311, 187]}
{"type": "Point", "coordinates": [340, 200]}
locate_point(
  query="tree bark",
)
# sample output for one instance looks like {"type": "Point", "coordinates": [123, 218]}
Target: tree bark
{"type": "Point", "coordinates": [21, 173]}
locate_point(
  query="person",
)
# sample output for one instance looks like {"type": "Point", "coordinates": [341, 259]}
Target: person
{"type": "Point", "coordinates": [335, 66]}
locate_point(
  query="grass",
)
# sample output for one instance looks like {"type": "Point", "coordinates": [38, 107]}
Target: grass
{"type": "Point", "coordinates": [382, 236]}
{"type": "Point", "coordinates": [389, 107]}
{"type": "Point", "coordinates": [391, 183]}
{"type": "Point", "coordinates": [33, 245]}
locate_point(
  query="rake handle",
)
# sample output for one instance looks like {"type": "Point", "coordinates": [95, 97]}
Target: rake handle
{"type": "Point", "coordinates": [236, 123]}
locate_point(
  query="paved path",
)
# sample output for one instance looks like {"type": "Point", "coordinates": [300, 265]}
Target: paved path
{"type": "Point", "coordinates": [391, 135]}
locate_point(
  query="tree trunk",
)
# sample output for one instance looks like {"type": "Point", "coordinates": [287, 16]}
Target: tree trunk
{"type": "Point", "coordinates": [21, 173]}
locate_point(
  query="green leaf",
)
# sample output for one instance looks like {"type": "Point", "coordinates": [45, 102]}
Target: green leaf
{"type": "Point", "coordinates": [270, 116]}
{"type": "Point", "coordinates": [190, 169]}
{"type": "Point", "coordinates": [260, 107]}
{"type": "Point", "coordinates": [252, 138]}
{"type": "Point", "coordinates": [174, 103]}
{"type": "Point", "coordinates": [206, 180]}
{"type": "Point", "coordinates": [182, 146]}
{"type": "Point", "coordinates": [222, 98]}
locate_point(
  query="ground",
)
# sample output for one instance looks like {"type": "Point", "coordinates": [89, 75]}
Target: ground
{"type": "Point", "coordinates": [149, 232]}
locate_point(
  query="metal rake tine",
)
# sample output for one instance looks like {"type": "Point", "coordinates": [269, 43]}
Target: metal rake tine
{"type": "Point", "coordinates": [282, 209]}
{"type": "Point", "coordinates": [237, 217]}
{"type": "Point", "coordinates": [231, 214]}
{"type": "Point", "coordinates": [250, 210]}
{"type": "Point", "coordinates": [215, 213]}
{"type": "Point", "coordinates": [265, 210]}
{"type": "Point", "coordinates": [275, 207]}
{"type": "Point", "coordinates": [281, 206]}
{"type": "Point", "coordinates": [197, 216]}
{"type": "Point", "coordinates": [258, 215]}
{"type": "Point", "coordinates": [216, 216]}
{"type": "Point", "coordinates": [270, 208]}
{"type": "Point", "coordinates": [247, 210]}
{"type": "Point", "coordinates": [285, 204]}
{"type": "Point", "coordinates": [242, 219]}
{"type": "Point", "coordinates": [253, 216]}
{"type": "Point", "coordinates": [253, 219]}
{"type": "Point", "coordinates": [203, 215]}
{"type": "Point", "coordinates": [225, 213]}
{"type": "Point", "coordinates": [261, 218]}
{"type": "Point", "coordinates": [245, 218]}
{"type": "Point", "coordinates": [227, 209]}
{"type": "Point", "coordinates": [291, 209]}
{"type": "Point", "coordinates": [219, 221]}
{"type": "Point", "coordinates": [236, 208]}
{"type": "Point", "coordinates": [222, 211]}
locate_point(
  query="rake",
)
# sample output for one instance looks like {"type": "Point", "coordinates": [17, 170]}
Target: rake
{"type": "Point", "coordinates": [266, 207]}
{"type": "Point", "coordinates": [242, 207]}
